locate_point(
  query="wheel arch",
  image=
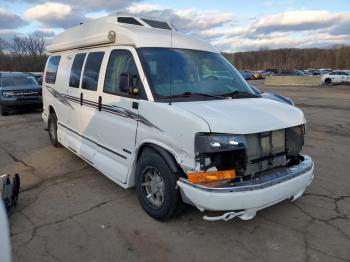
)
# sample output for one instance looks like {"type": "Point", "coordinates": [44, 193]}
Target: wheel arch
{"type": "Point", "coordinates": [168, 157]}
{"type": "Point", "coordinates": [52, 110]}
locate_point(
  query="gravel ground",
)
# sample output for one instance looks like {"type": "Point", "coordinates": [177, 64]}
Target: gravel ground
{"type": "Point", "coordinates": [68, 211]}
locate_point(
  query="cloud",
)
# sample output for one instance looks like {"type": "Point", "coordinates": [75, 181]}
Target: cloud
{"type": "Point", "coordinates": [45, 33]}
{"type": "Point", "coordinates": [8, 35]}
{"type": "Point", "coordinates": [226, 30]}
{"type": "Point", "coordinates": [9, 20]}
{"type": "Point", "coordinates": [48, 10]}
{"type": "Point", "coordinates": [86, 5]}
{"type": "Point", "coordinates": [186, 20]}
{"type": "Point", "coordinates": [299, 21]}
{"type": "Point", "coordinates": [277, 3]}
{"type": "Point", "coordinates": [56, 15]}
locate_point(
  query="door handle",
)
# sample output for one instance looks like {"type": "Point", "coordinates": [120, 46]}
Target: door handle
{"type": "Point", "coordinates": [81, 99]}
{"type": "Point", "coordinates": [99, 103]}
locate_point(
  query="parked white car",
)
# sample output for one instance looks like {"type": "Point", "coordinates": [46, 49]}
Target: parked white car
{"type": "Point", "coordinates": [166, 113]}
{"type": "Point", "coordinates": [336, 77]}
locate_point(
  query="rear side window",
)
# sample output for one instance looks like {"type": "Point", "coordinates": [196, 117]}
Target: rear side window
{"type": "Point", "coordinates": [75, 74]}
{"type": "Point", "coordinates": [120, 61]}
{"type": "Point", "coordinates": [51, 70]}
{"type": "Point", "coordinates": [92, 71]}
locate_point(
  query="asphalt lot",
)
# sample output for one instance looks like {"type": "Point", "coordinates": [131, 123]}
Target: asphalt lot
{"type": "Point", "coordinates": [68, 211]}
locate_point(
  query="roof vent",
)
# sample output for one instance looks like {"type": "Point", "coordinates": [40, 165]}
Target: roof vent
{"type": "Point", "coordinates": [129, 20]}
{"type": "Point", "coordinates": [157, 24]}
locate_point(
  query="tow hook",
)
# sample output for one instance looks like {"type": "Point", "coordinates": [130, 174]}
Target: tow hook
{"type": "Point", "coordinates": [226, 217]}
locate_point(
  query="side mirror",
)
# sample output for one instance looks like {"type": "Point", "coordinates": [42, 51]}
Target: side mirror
{"type": "Point", "coordinates": [127, 84]}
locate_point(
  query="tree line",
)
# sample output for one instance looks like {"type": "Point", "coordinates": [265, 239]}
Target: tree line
{"type": "Point", "coordinates": [27, 54]}
{"type": "Point", "coordinates": [292, 58]}
{"type": "Point", "coordinates": [23, 53]}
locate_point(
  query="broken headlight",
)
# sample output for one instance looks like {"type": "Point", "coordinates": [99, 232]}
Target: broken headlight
{"type": "Point", "coordinates": [220, 151]}
{"type": "Point", "coordinates": [207, 143]}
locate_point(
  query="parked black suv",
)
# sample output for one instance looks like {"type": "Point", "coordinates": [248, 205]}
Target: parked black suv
{"type": "Point", "coordinates": [18, 90]}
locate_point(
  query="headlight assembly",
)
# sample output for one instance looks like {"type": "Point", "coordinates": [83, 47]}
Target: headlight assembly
{"type": "Point", "coordinates": [8, 93]}
{"type": "Point", "coordinates": [207, 143]}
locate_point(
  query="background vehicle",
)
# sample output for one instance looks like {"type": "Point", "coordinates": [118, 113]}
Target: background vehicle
{"type": "Point", "coordinates": [290, 73]}
{"type": "Point", "coordinates": [324, 71]}
{"type": "Point", "coordinates": [38, 77]}
{"type": "Point", "coordinates": [335, 77]}
{"type": "Point", "coordinates": [18, 90]}
{"type": "Point", "coordinates": [272, 71]}
{"type": "Point", "coordinates": [258, 74]}
{"type": "Point", "coordinates": [246, 74]}
{"type": "Point", "coordinates": [272, 96]}
{"type": "Point", "coordinates": [313, 72]}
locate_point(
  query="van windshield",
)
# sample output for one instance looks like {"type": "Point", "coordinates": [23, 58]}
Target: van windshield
{"type": "Point", "coordinates": [177, 72]}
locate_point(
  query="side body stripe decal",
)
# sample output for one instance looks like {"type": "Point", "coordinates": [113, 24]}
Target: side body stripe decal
{"type": "Point", "coordinates": [112, 109]}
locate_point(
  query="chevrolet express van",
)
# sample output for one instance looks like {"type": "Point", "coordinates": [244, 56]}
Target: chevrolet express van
{"type": "Point", "coordinates": [163, 112]}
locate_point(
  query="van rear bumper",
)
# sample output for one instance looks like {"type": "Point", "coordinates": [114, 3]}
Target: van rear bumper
{"type": "Point", "coordinates": [246, 198]}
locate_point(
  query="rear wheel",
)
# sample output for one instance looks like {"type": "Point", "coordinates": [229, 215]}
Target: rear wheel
{"type": "Point", "coordinates": [156, 187]}
{"type": "Point", "coordinates": [328, 81]}
{"type": "Point", "coordinates": [52, 126]}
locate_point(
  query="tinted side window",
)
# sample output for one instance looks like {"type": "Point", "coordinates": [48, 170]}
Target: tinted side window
{"type": "Point", "coordinates": [92, 71]}
{"type": "Point", "coordinates": [120, 61]}
{"type": "Point", "coordinates": [51, 70]}
{"type": "Point", "coordinates": [75, 74]}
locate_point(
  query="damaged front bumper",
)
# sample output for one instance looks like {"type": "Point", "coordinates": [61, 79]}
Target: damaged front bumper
{"type": "Point", "coordinates": [244, 199]}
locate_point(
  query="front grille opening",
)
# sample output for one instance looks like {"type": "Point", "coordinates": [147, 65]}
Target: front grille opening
{"type": "Point", "coordinates": [263, 151]}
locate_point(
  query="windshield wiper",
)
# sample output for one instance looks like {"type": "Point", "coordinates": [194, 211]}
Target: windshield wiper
{"type": "Point", "coordinates": [188, 94]}
{"type": "Point", "coordinates": [238, 94]}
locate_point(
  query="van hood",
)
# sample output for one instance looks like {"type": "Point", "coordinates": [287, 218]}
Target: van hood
{"type": "Point", "coordinates": [244, 116]}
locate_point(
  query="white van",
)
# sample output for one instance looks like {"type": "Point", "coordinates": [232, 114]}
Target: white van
{"type": "Point", "coordinates": [163, 112]}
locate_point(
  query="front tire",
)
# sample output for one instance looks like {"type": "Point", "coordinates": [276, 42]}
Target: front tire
{"type": "Point", "coordinates": [52, 128]}
{"type": "Point", "coordinates": [3, 110]}
{"type": "Point", "coordinates": [328, 81]}
{"type": "Point", "coordinates": [156, 187]}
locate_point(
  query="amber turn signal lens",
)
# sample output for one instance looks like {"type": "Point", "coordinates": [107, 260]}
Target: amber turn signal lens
{"type": "Point", "coordinates": [201, 177]}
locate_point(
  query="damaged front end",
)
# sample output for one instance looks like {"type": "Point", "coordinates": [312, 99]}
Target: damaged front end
{"type": "Point", "coordinates": [259, 161]}
{"type": "Point", "coordinates": [248, 155]}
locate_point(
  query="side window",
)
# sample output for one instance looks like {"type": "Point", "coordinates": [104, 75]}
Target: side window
{"type": "Point", "coordinates": [75, 74]}
{"type": "Point", "coordinates": [51, 70]}
{"type": "Point", "coordinates": [92, 71]}
{"type": "Point", "coordinates": [120, 61]}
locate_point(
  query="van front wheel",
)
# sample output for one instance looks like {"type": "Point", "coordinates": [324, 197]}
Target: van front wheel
{"type": "Point", "coordinates": [156, 187]}
{"type": "Point", "coordinates": [52, 126]}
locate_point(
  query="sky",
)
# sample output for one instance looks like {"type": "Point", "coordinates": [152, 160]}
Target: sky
{"type": "Point", "coordinates": [231, 26]}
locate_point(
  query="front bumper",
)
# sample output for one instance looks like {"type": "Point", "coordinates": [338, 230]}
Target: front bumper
{"type": "Point", "coordinates": [246, 198]}
{"type": "Point", "coordinates": [22, 101]}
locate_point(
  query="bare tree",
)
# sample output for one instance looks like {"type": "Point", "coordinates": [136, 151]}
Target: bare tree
{"type": "Point", "coordinates": [18, 46]}
{"type": "Point", "coordinates": [337, 57]}
{"type": "Point", "coordinates": [31, 45]}
{"type": "Point", "coordinates": [34, 45]}
{"type": "Point", "coordinates": [3, 45]}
